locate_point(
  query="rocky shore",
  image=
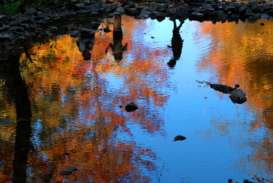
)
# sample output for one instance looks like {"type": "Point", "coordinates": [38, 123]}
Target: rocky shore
{"type": "Point", "coordinates": [209, 10]}
{"type": "Point", "coordinates": [32, 22]}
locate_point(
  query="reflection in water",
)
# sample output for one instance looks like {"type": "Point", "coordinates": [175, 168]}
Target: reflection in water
{"type": "Point", "coordinates": [16, 88]}
{"type": "Point", "coordinates": [244, 55]}
{"type": "Point", "coordinates": [78, 121]}
{"type": "Point", "coordinates": [85, 46]}
{"type": "Point", "coordinates": [76, 90]}
{"type": "Point", "coordinates": [177, 43]}
{"type": "Point", "coordinates": [117, 47]}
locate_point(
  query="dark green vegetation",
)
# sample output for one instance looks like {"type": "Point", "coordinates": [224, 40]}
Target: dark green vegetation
{"type": "Point", "coordinates": [12, 7]}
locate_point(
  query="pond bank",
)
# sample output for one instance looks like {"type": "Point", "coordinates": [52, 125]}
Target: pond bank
{"type": "Point", "coordinates": [33, 22]}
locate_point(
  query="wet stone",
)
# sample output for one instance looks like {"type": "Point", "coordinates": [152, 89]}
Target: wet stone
{"type": "Point", "coordinates": [110, 7]}
{"type": "Point", "coordinates": [4, 37]}
{"type": "Point", "coordinates": [31, 11]}
{"type": "Point", "coordinates": [79, 5]}
{"type": "Point", "coordinates": [47, 33]}
{"type": "Point", "coordinates": [130, 107]}
{"type": "Point", "coordinates": [238, 96]}
{"type": "Point", "coordinates": [131, 5]}
{"type": "Point", "coordinates": [234, 16]}
{"type": "Point", "coordinates": [265, 16]}
{"type": "Point", "coordinates": [106, 30]}
{"type": "Point", "coordinates": [255, 16]}
{"type": "Point", "coordinates": [53, 29]}
{"type": "Point", "coordinates": [94, 14]}
{"type": "Point", "coordinates": [39, 17]}
{"type": "Point", "coordinates": [120, 10]}
{"type": "Point", "coordinates": [14, 23]}
{"type": "Point", "coordinates": [4, 28]}
{"type": "Point", "coordinates": [179, 137]}
{"type": "Point", "coordinates": [23, 19]}
{"type": "Point", "coordinates": [16, 28]}
{"type": "Point", "coordinates": [144, 14]}
{"type": "Point", "coordinates": [2, 17]}
{"type": "Point", "coordinates": [222, 88]}
{"type": "Point", "coordinates": [34, 27]}
{"type": "Point", "coordinates": [41, 22]}
{"type": "Point", "coordinates": [131, 11]}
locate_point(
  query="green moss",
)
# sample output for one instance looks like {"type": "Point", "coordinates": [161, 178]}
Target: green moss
{"type": "Point", "coordinates": [10, 8]}
{"type": "Point", "coordinates": [13, 8]}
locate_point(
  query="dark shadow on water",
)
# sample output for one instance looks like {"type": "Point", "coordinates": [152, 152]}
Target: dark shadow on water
{"type": "Point", "coordinates": [117, 47]}
{"type": "Point", "coordinates": [16, 87]}
{"type": "Point", "coordinates": [177, 43]}
{"type": "Point", "coordinates": [85, 46]}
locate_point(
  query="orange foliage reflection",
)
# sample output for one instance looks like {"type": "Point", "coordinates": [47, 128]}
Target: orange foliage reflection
{"type": "Point", "coordinates": [242, 54]}
{"type": "Point", "coordinates": [76, 114]}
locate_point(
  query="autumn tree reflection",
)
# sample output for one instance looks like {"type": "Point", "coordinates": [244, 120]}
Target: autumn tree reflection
{"type": "Point", "coordinates": [244, 55]}
{"type": "Point", "coordinates": [117, 47]}
{"type": "Point", "coordinates": [77, 118]}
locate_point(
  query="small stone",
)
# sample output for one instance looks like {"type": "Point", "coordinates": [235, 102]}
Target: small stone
{"type": "Point", "coordinates": [75, 34]}
{"type": "Point", "coordinates": [262, 24]}
{"type": "Point", "coordinates": [130, 107]}
{"type": "Point", "coordinates": [53, 29]}
{"type": "Point", "coordinates": [179, 137]}
{"type": "Point", "coordinates": [106, 30]}
{"type": "Point", "coordinates": [238, 96]}
{"type": "Point", "coordinates": [94, 14]}
{"type": "Point", "coordinates": [236, 85]}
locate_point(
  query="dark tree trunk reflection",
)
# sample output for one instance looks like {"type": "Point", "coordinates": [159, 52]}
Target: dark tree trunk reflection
{"type": "Point", "coordinates": [16, 87]}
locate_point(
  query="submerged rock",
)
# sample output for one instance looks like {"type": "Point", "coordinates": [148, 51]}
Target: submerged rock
{"type": "Point", "coordinates": [238, 96]}
{"type": "Point", "coordinates": [130, 107]}
{"type": "Point", "coordinates": [222, 88]}
{"type": "Point", "coordinates": [179, 137]}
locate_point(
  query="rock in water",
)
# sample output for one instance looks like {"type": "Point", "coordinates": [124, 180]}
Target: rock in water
{"type": "Point", "coordinates": [130, 107]}
{"type": "Point", "coordinates": [179, 137]}
{"type": "Point", "coordinates": [238, 96]}
{"type": "Point", "coordinates": [106, 30]}
{"type": "Point", "coordinates": [222, 88]}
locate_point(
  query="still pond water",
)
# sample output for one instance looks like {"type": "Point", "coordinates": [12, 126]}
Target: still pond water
{"type": "Point", "coordinates": [77, 101]}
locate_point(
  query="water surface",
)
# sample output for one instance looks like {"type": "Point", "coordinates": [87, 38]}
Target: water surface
{"type": "Point", "coordinates": [77, 90]}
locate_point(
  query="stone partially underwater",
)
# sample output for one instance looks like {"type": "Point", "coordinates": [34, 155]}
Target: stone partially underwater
{"type": "Point", "coordinates": [238, 96]}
